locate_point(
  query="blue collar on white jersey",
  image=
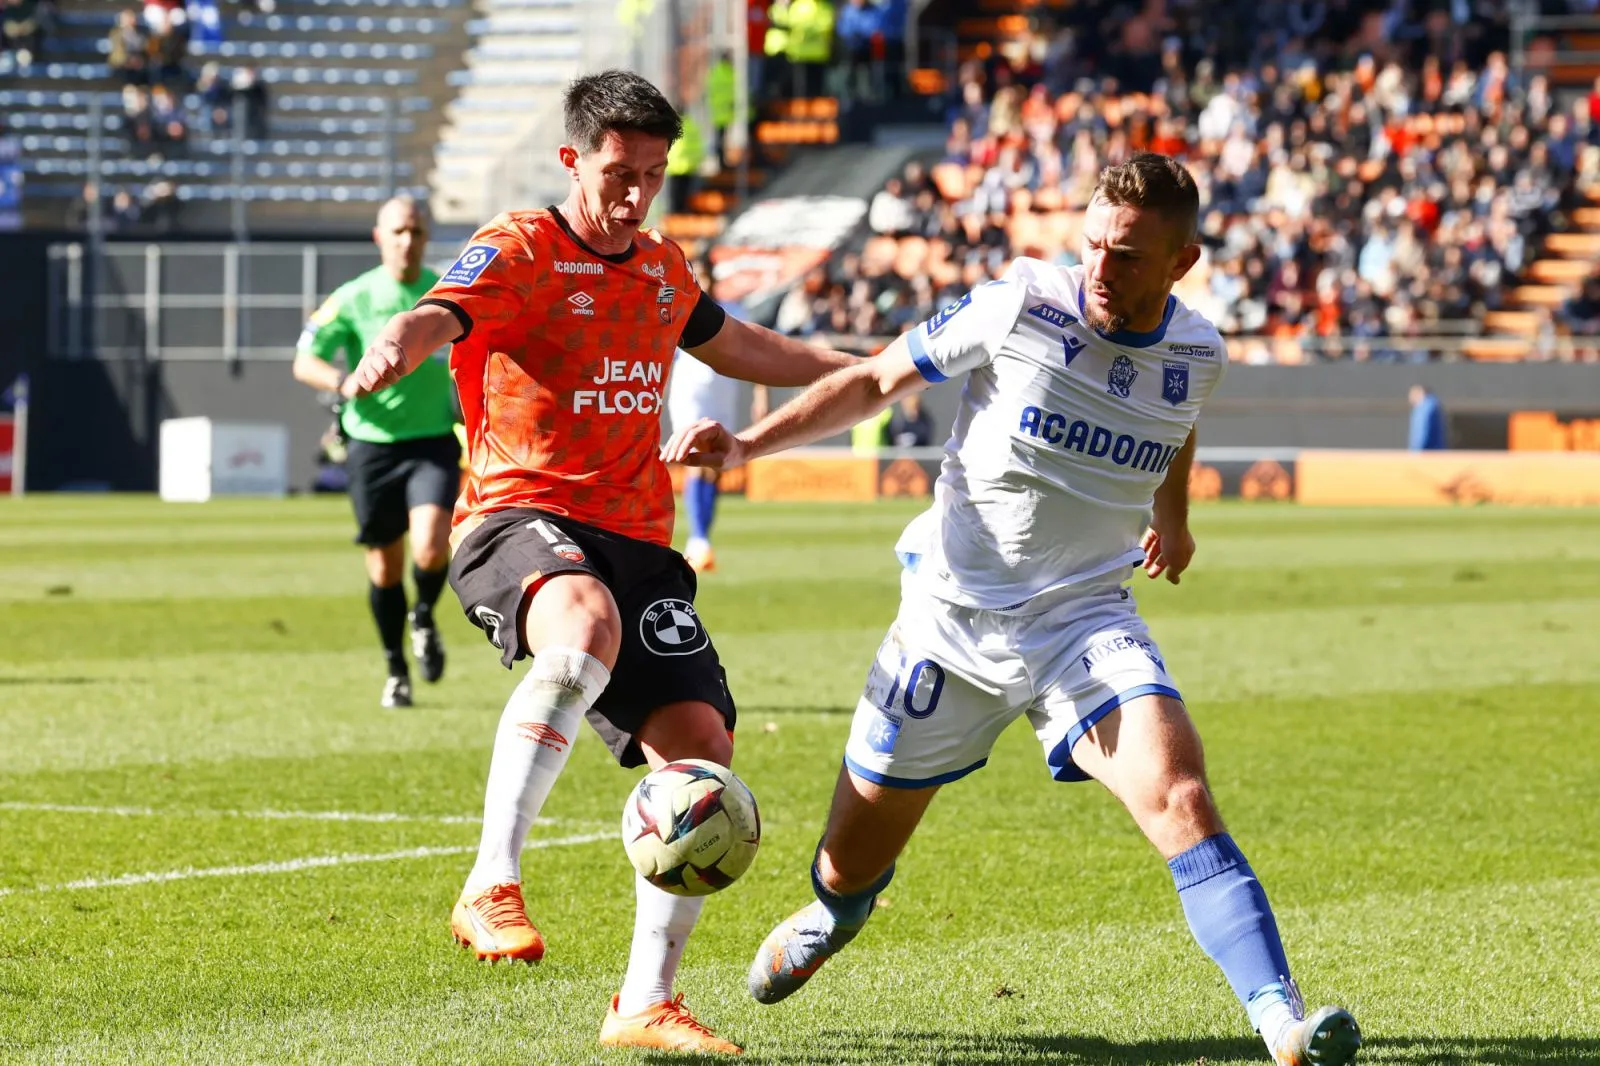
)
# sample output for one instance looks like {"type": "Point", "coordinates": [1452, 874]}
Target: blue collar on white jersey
{"type": "Point", "coordinates": [1133, 338]}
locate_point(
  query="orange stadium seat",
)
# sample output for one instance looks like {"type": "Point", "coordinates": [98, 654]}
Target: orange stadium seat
{"type": "Point", "coordinates": [1496, 349]}
{"type": "Point", "coordinates": [1517, 323]}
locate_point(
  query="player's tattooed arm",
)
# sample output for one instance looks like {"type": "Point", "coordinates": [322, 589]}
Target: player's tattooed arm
{"type": "Point", "coordinates": [832, 405]}
{"type": "Point", "coordinates": [401, 347]}
{"type": "Point", "coordinates": [750, 352]}
{"type": "Point", "coordinates": [1168, 545]}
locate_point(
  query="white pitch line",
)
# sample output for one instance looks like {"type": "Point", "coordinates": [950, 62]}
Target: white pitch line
{"type": "Point", "coordinates": [287, 866]}
{"type": "Point", "coordinates": [269, 815]}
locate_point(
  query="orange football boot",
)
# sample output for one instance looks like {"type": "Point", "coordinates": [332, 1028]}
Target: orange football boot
{"type": "Point", "coordinates": [701, 559]}
{"type": "Point", "coordinates": [664, 1026]}
{"type": "Point", "coordinates": [494, 923]}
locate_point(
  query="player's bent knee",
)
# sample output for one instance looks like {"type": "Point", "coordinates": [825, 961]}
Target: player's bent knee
{"type": "Point", "coordinates": [573, 611]}
{"type": "Point", "coordinates": [1180, 813]}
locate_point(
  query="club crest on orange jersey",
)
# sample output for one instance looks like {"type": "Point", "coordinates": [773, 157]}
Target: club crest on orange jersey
{"type": "Point", "coordinates": [664, 300]}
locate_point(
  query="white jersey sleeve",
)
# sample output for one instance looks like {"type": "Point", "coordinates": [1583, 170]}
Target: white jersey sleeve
{"type": "Point", "coordinates": [968, 333]}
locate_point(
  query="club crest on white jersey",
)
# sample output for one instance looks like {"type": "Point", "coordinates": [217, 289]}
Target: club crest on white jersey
{"type": "Point", "coordinates": [1062, 436]}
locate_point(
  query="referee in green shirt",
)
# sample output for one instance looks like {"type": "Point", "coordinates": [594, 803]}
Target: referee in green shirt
{"type": "Point", "coordinates": [404, 460]}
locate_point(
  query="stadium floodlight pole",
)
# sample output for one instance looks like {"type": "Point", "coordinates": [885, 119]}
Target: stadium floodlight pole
{"type": "Point", "coordinates": [96, 220]}
{"type": "Point", "coordinates": [742, 119]}
{"type": "Point", "coordinates": [236, 170]}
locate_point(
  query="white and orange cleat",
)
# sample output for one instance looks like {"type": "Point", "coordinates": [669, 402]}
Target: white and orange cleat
{"type": "Point", "coordinates": [700, 557]}
{"type": "Point", "coordinates": [664, 1026]}
{"type": "Point", "coordinates": [494, 923]}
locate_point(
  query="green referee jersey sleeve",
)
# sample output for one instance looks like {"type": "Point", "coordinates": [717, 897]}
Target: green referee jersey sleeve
{"type": "Point", "coordinates": [420, 404]}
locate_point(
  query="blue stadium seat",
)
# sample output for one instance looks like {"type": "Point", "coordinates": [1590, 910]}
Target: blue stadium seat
{"type": "Point", "coordinates": [523, 24]}
{"type": "Point", "coordinates": [529, 75]}
{"type": "Point", "coordinates": [306, 24]}
{"type": "Point", "coordinates": [515, 49]}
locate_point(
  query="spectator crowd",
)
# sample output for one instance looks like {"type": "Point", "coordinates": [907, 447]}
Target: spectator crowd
{"type": "Point", "coordinates": [1368, 171]}
{"type": "Point", "coordinates": [166, 100]}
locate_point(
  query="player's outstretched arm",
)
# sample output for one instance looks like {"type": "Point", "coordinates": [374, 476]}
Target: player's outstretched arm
{"type": "Point", "coordinates": [830, 406]}
{"type": "Point", "coordinates": [755, 353]}
{"type": "Point", "coordinates": [1168, 545]}
{"type": "Point", "coordinates": [401, 347]}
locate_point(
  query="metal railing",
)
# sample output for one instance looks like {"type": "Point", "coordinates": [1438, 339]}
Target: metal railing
{"type": "Point", "coordinates": [1527, 24]}
{"type": "Point", "coordinates": [230, 302]}
{"type": "Point", "coordinates": [137, 301]}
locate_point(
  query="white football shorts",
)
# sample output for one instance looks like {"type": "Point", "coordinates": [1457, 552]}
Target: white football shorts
{"type": "Point", "coordinates": [947, 680]}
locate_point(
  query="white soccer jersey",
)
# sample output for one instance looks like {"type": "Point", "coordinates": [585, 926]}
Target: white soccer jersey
{"type": "Point", "coordinates": [1061, 439]}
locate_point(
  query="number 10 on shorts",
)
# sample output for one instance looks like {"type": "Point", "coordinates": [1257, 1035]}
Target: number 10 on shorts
{"type": "Point", "coordinates": [913, 686]}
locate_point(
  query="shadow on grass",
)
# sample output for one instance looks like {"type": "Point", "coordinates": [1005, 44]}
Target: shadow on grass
{"type": "Point", "coordinates": [53, 680]}
{"type": "Point", "coordinates": [834, 1048]}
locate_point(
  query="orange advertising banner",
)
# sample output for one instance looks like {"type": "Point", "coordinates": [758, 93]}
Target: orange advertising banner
{"type": "Point", "coordinates": [817, 479]}
{"type": "Point", "coordinates": [1543, 431]}
{"type": "Point", "coordinates": [1362, 478]}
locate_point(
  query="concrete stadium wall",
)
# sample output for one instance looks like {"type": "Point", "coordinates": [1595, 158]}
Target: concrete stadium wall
{"type": "Point", "coordinates": [97, 421]}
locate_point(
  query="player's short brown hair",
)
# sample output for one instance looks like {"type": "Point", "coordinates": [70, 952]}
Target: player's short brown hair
{"type": "Point", "coordinates": [619, 100]}
{"type": "Point", "coordinates": [1157, 183]}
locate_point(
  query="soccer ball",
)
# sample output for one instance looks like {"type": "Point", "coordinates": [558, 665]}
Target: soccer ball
{"type": "Point", "coordinates": [691, 828]}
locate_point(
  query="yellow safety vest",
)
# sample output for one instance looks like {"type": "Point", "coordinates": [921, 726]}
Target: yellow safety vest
{"type": "Point", "coordinates": [686, 153]}
{"type": "Point", "coordinates": [777, 42]}
{"type": "Point", "coordinates": [810, 31]}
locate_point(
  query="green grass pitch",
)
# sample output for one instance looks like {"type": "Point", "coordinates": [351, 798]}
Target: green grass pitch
{"type": "Point", "coordinates": [1401, 717]}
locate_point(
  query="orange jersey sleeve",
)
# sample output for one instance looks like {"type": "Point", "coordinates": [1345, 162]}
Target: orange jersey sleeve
{"type": "Point", "coordinates": [492, 279]}
{"type": "Point", "coordinates": [562, 373]}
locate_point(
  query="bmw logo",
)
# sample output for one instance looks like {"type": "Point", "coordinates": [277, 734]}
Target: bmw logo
{"type": "Point", "coordinates": [671, 627]}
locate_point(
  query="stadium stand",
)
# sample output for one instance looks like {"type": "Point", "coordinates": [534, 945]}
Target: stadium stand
{"type": "Point", "coordinates": [1370, 173]}
{"type": "Point", "coordinates": [339, 108]}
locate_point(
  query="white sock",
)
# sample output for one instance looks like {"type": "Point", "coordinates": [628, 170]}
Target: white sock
{"type": "Point", "coordinates": [662, 923]}
{"type": "Point", "coordinates": [531, 746]}
{"type": "Point", "coordinates": [696, 544]}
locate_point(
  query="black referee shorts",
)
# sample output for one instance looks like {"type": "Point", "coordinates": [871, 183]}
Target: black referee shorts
{"type": "Point", "coordinates": [388, 480]}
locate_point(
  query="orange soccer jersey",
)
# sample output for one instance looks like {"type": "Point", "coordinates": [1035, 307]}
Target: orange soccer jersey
{"type": "Point", "coordinates": [563, 371]}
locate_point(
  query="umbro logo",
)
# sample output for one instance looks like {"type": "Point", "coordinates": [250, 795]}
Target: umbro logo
{"type": "Point", "coordinates": [544, 735]}
{"type": "Point", "coordinates": [582, 303]}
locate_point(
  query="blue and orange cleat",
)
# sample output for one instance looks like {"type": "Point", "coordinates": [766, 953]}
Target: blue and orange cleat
{"type": "Point", "coordinates": [795, 950]}
{"type": "Point", "coordinates": [1326, 1037]}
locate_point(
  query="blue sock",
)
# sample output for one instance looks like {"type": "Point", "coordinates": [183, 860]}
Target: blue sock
{"type": "Point", "coordinates": [855, 908]}
{"type": "Point", "coordinates": [1232, 922]}
{"type": "Point", "coordinates": [709, 505]}
{"type": "Point", "coordinates": [694, 501]}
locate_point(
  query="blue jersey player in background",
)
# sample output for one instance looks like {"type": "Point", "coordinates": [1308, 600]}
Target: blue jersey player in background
{"type": "Point", "coordinates": [1067, 467]}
